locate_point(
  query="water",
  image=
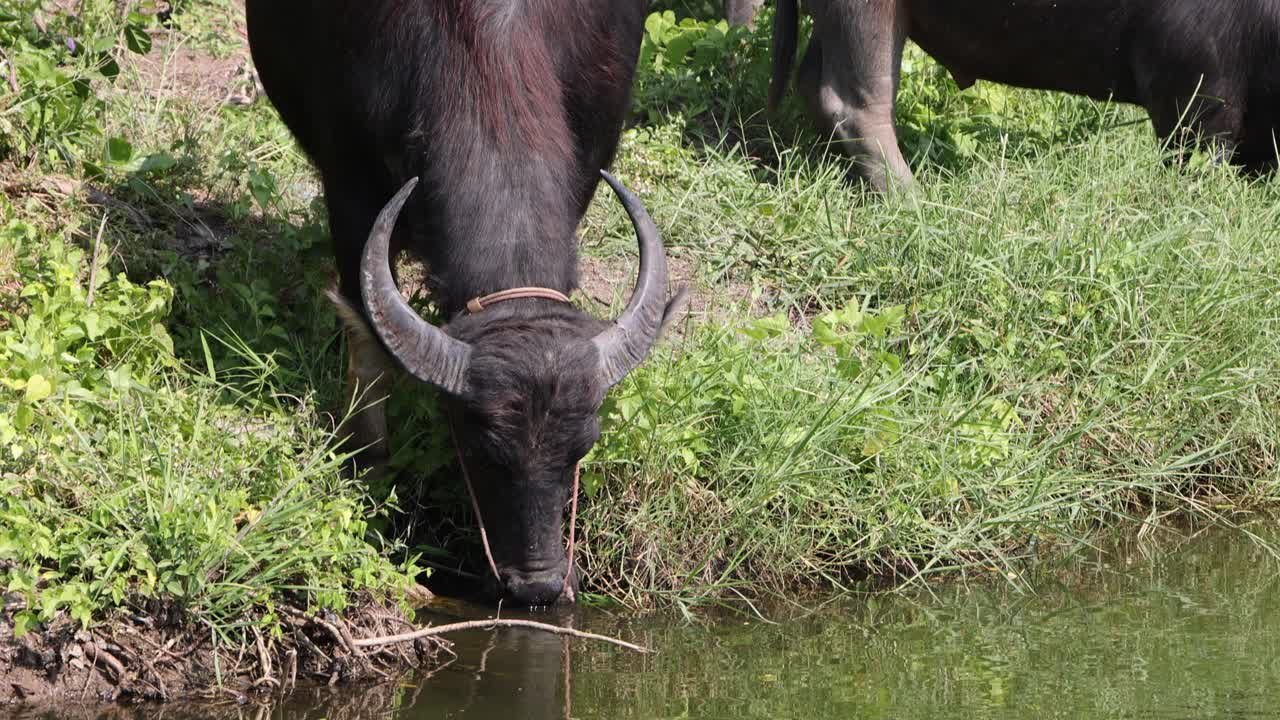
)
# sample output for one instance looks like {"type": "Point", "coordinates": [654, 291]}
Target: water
{"type": "Point", "coordinates": [1194, 634]}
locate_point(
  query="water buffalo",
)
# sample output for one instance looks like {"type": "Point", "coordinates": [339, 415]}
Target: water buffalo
{"type": "Point", "coordinates": [507, 111]}
{"type": "Point", "coordinates": [1206, 68]}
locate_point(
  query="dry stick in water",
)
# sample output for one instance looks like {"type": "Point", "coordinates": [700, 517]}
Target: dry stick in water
{"type": "Point", "coordinates": [492, 623]}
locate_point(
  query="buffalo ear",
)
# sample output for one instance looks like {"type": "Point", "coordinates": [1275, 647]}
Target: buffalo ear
{"type": "Point", "coordinates": [675, 310]}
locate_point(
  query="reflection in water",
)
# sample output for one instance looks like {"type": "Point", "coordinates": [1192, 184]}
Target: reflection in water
{"type": "Point", "coordinates": [506, 674]}
{"type": "Point", "coordinates": [1192, 635]}
{"type": "Point", "coordinates": [503, 674]}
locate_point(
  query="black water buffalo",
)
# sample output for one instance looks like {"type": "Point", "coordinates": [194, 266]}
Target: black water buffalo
{"type": "Point", "coordinates": [507, 111]}
{"type": "Point", "coordinates": [1207, 68]}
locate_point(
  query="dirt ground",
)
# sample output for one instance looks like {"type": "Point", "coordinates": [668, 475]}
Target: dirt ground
{"type": "Point", "coordinates": [204, 79]}
{"type": "Point", "coordinates": [150, 655]}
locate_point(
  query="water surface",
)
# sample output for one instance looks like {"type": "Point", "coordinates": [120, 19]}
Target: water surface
{"type": "Point", "coordinates": [1192, 634]}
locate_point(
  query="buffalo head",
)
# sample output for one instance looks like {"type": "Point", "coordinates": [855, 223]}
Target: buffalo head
{"type": "Point", "coordinates": [523, 384]}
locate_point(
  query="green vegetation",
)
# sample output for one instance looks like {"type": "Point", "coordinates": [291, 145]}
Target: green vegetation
{"type": "Point", "coordinates": [136, 464]}
{"type": "Point", "coordinates": [1059, 332]}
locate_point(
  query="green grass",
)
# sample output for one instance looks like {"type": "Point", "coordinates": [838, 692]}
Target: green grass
{"type": "Point", "coordinates": [128, 475]}
{"type": "Point", "coordinates": [1079, 338]}
{"type": "Point", "coordinates": [163, 434]}
{"type": "Point", "coordinates": [1059, 333]}
{"type": "Point", "coordinates": [1071, 334]}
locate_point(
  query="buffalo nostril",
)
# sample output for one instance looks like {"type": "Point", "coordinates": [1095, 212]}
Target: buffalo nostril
{"type": "Point", "coordinates": [534, 589]}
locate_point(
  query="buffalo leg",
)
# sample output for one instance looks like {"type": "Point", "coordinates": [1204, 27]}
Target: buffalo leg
{"type": "Point", "coordinates": [1190, 98]}
{"type": "Point", "coordinates": [1204, 118]}
{"type": "Point", "coordinates": [849, 78]}
{"type": "Point", "coordinates": [1260, 152]}
{"type": "Point", "coordinates": [742, 13]}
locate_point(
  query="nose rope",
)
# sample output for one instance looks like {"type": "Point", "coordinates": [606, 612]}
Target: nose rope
{"type": "Point", "coordinates": [567, 590]}
{"type": "Point", "coordinates": [475, 506]}
{"type": "Point", "coordinates": [484, 534]}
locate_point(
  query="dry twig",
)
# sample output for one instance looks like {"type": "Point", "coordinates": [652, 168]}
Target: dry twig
{"type": "Point", "coordinates": [492, 623]}
{"type": "Point", "coordinates": [264, 662]}
{"type": "Point", "coordinates": [101, 656]}
{"type": "Point", "coordinates": [343, 641]}
{"type": "Point", "coordinates": [292, 675]}
{"type": "Point", "coordinates": [159, 680]}
{"type": "Point", "coordinates": [93, 264]}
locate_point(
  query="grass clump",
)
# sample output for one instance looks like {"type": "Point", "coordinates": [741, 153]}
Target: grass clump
{"type": "Point", "coordinates": [158, 454]}
{"type": "Point", "coordinates": [1062, 329]}
{"type": "Point", "coordinates": [127, 476]}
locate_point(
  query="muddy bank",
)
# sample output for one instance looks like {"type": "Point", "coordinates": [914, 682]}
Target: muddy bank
{"type": "Point", "coordinates": [153, 655]}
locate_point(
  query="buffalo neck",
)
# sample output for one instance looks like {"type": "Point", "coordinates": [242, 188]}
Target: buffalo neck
{"type": "Point", "coordinates": [459, 285]}
{"type": "Point", "coordinates": [503, 217]}
{"type": "Point", "coordinates": [517, 317]}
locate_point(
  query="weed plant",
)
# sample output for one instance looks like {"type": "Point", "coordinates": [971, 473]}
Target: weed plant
{"type": "Point", "coordinates": [176, 474]}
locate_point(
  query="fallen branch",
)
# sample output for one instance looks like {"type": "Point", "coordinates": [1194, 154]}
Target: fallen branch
{"type": "Point", "coordinates": [102, 657]}
{"type": "Point", "coordinates": [159, 680]}
{"type": "Point", "coordinates": [264, 661]}
{"type": "Point", "coordinates": [342, 640]}
{"type": "Point", "coordinates": [492, 623]}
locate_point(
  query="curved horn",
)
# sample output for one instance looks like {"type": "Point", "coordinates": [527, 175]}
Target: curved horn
{"type": "Point", "coordinates": [624, 346]}
{"type": "Point", "coordinates": [423, 349]}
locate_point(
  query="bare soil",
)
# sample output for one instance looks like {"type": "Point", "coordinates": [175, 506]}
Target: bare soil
{"type": "Point", "coordinates": [153, 654]}
{"type": "Point", "coordinates": [174, 70]}
{"type": "Point", "coordinates": [197, 77]}
{"type": "Point", "coordinates": [606, 282]}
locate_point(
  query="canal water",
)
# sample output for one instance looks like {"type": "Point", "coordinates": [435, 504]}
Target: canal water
{"type": "Point", "coordinates": [1191, 633]}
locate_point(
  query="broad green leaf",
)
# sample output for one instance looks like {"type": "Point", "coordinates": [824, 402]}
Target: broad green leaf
{"type": "Point", "coordinates": [38, 388]}
{"type": "Point", "coordinates": [824, 333]}
{"type": "Point", "coordinates": [653, 26]}
{"type": "Point", "coordinates": [157, 162]}
{"type": "Point", "coordinates": [765, 328]}
{"type": "Point", "coordinates": [93, 325]}
{"type": "Point", "coordinates": [119, 152]}
{"type": "Point", "coordinates": [849, 367]}
{"type": "Point", "coordinates": [678, 48]}
{"type": "Point", "coordinates": [262, 185]}
{"type": "Point", "coordinates": [136, 37]}
{"type": "Point", "coordinates": [161, 336]}
{"type": "Point", "coordinates": [23, 622]}
{"type": "Point", "coordinates": [108, 67]}
{"type": "Point", "coordinates": [23, 418]}
{"type": "Point", "coordinates": [890, 360]}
